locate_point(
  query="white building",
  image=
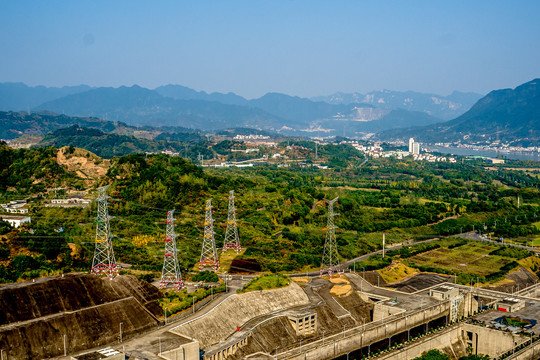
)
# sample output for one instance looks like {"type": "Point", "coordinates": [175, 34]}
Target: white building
{"type": "Point", "coordinates": [15, 206]}
{"type": "Point", "coordinates": [16, 221]}
{"type": "Point", "coordinates": [411, 144]}
{"type": "Point", "coordinates": [71, 201]}
{"type": "Point", "coordinates": [416, 148]}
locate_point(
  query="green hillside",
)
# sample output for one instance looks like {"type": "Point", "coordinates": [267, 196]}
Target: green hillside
{"type": "Point", "coordinates": [281, 210]}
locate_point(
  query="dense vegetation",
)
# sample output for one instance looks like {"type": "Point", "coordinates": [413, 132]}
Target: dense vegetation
{"type": "Point", "coordinates": [281, 210]}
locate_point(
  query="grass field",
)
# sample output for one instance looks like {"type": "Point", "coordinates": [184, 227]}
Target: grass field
{"type": "Point", "coordinates": [472, 258]}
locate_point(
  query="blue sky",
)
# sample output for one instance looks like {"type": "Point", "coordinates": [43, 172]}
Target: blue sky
{"type": "Point", "coordinates": [303, 48]}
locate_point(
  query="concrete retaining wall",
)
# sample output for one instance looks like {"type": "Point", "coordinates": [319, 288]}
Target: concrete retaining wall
{"type": "Point", "coordinates": [223, 320]}
{"type": "Point", "coordinates": [356, 338]}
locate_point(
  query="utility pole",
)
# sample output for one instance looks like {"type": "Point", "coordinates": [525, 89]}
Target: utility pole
{"type": "Point", "coordinates": [232, 240]}
{"type": "Point", "coordinates": [171, 269]}
{"type": "Point", "coordinates": [104, 262]}
{"type": "Point", "coordinates": [383, 241]}
{"type": "Point", "coordinates": [209, 256]}
{"type": "Point", "coordinates": [330, 258]}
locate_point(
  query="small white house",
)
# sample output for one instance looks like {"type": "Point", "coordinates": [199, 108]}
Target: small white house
{"type": "Point", "coordinates": [16, 221]}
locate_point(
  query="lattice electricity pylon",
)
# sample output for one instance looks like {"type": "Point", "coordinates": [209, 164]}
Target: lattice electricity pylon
{"type": "Point", "coordinates": [330, 258]}
{"type": "Point", "coordinates": [171, 274]}
{"type": "Point", "coordinates": [104, 262]}
{"type": "Point", "coordinates": [232, 240]}
{"type": "Point", "coordinates": [209, 256]}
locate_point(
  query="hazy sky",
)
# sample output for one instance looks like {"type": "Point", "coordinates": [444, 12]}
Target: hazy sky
{"type": "Point", "coordinates": [303, 48]}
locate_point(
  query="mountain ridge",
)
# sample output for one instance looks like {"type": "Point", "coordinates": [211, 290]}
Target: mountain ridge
{"type": "Point", "coordinates": [508, 115]}
{"type": "Point", "coordinates": [444, 107]}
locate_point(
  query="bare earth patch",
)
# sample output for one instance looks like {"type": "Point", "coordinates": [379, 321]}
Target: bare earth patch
{"type": "Point", "coordinates": [87, 165]}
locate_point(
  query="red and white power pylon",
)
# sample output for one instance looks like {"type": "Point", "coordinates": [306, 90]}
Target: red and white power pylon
{"type": "Point", "coordinates": [171, 274]}
{"type": "Point", "coordinates": [209, 257]}
{"type": "Point", "coordinates": [330, 258]}
{"type": "Point", "coordinates": [104, 262]}
{"type": "Point", "coordinates": [232, 240]}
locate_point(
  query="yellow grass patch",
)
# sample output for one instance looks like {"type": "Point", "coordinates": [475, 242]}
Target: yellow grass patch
{"type": "Point", "coordinates": [396, 271]}
{"type": "Point", "coordinates": [342, 286]}
{"type": "Point", "coordinates": [341, 290]}
{"type": "Point", "coordinates": [339, 280]}
{"type": "Point", "coordinates": [301, 280]}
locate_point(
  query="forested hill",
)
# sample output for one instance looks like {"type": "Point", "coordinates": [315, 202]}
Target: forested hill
{"type": "Point", "coordinates": [110, 145]}
{"type": "Point", "coordinates": [15, 124]}
{"type": "Point", "coordinates": [510, 115]}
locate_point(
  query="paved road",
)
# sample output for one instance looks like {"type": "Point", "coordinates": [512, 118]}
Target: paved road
{"type": "Point", "coordinates": [476, 236]}
{"type": "Point", "coordinates": [346, 264]}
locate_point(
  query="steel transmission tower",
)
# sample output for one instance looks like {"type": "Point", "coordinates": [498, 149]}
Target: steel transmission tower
{"type": "Point", "coordinates": [209, 256]}
{"type": "Point", "coordinates": [232, 241]}
{"type": "Point", "coordinates": [104, 262]}
{"type": "Point", "coordinates": [171, 274]}
{"type": "Point", "coordinates": [330, 259]}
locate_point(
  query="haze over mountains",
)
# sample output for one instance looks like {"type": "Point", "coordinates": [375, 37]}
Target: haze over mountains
{"type": "Point", "coordinates": [443, 107]}
{"type": "Point", "coordinates": [507, 115]}
{"type": "Point", "coordinates": [176, 105]}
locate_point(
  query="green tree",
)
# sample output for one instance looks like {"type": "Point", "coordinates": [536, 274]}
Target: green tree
{"type": "Point", "coordinates": [433, 355]}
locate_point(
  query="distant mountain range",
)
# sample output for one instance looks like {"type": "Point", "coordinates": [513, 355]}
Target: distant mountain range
{"type": "Point", "coordinates": [18, 96]}
{"type": "Point", "coordinates": [176, 105]}
{"type": "Point", "coordinates": [508, 115]}
{"type": "Point", "coordinates": [443, 107]}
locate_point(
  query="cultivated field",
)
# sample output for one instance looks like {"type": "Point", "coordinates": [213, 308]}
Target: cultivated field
{"type": "Point", "coordinates": [472, 258]}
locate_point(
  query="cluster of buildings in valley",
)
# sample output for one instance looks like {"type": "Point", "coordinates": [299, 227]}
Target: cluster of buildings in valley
{"type": "Point", "coordinates": [251, 137]}
{"type": "Point", "coordinates": [376, 151]}
{"type": "Point", "coordinates": [495, 146]}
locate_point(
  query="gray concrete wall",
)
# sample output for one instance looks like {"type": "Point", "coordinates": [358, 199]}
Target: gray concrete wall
{"type": "Point", "coordinates": [223, 320]}
{"type": "Point", "coordinates": [491, 342]}
{"type": "Point", "coordinates": [356, 338]}
{"type": "Point", "coordinates": [381, 311]}
{"type": "Point", "coordinates": [189, 351]}
{"type": "Point", "coordinates": [441, 341]}
{"type": "Point", "coordinates": [530, 353]}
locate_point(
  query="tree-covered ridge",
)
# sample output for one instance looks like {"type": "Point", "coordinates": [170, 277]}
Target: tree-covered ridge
{"type": "Point", "coordinates": [104, 144]}
{"type": "Point", "coordinates": [27, 171]}
{"type": "Point", "coordinates": [14, 124]}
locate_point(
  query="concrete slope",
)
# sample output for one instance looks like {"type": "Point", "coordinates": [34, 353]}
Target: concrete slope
{"type": "Point", "coordinates": [34, 317]}
{"type": "Point", "coordinates": [87, 328]}
{"type": "Point", "coordinates": [223, 320]}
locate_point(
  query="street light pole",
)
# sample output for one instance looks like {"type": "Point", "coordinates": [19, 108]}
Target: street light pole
{"type": "Point", "coordinates": [65, 349]}
{"type": "Point", "coordinates": [121, 331]}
